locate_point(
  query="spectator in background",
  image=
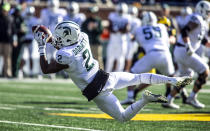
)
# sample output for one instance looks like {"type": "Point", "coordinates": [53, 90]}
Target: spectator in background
{"type": "Point", "coordinates": [6, 38]}
{"type": "Point", "coordinates": [93, 28]}
{"type": "Point", "coordinates": [20, 29]}
{"type": "Point", "coordinates": [74, 14]}
{"type": "Point", "coordinates": [104, 40]}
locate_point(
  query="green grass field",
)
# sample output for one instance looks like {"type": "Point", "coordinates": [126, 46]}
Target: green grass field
{"type": "Point", "coordinates": [26, 106]}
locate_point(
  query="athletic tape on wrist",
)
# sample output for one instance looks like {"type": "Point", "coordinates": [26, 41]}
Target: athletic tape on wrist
{"type": "Point", "coordinates": [41, 50]}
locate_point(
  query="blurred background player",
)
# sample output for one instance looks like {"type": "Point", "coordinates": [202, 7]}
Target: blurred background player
{"type": "Point", "coordinates": [50, 16]}
{"type": "Point", "coordinates": [29, 48]}
{"type": "Point", "coordinates": [135, 22]}
{"type": "Point", "coordinates": [167, 22]}
{"type": "Point", "coordinates": [171, 25]}
{"type": "Point", "coordinates": [117, 47]}
{"type": "Point", "coordinates": [166, 12]}
{"type": "Point", "coordinates": [92, 26]}
{"type": "Point", "coordinates": [180, 19]}
{"type": "Point", "coordinates": [74, 14]}
{"type": "Point", "coordinates": [154, 39]}
{"type": "Point", "coordinates": [192, 35]}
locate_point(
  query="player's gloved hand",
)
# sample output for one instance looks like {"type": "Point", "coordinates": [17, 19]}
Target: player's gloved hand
{"type": "Point", "coordinates": [189, 49]}
{"type": "Point", "coordinates": [38, 36]}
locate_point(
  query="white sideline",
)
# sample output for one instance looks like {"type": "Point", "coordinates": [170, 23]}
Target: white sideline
{"type": "Point", "coordinates": [43, 125]}
{"type": "Point", "coordinates": [7, 108]}
{"type": "Point", "coordinates": [34, 80]}
{"type": "Point", "coordinates": [14, 107]}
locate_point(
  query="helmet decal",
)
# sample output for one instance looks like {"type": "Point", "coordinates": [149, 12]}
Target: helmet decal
{"type": "Point", "coordinates": [67, 31]}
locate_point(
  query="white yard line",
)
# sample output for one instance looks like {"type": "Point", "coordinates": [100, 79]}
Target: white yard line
{"type": "Point", "coordinates": [203, 90]}
{"type": "Point", "coordinates": [7, 108]}
{"type": "Point", "coordinates": [17, 106]}
{"type": "Point", "coordinates": [43, 125]}
{"type": "Point", "coordinates": [43, 96]}
{"type": "Point", "coordinates": [68, 109]}
{"type": "Point", "coordinates": [14, 107]}
{"type": "Point", "coordinates": [28, 80]}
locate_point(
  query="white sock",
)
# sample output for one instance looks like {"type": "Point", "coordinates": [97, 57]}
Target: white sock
{"type": "Point", "coordinates": [130, 93]}
{"type": "Point", "coordinates": [169, 97]}
{"type": "Point", "coordinates": [134, 108]}
{"type": "Point", "coordinates": [149, 78]}
{"type": "Point", "coordinates": [192, 94]}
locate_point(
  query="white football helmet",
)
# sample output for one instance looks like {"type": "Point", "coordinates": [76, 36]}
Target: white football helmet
{"type": "Point", "coordinates": [132, 10]}
{"type": "Point", "coordinates": [73, 8]}
{"type": "Point", "coordinates": [66, 33]}
{"type": "Point", "coordinates": [186, 11]}
{"type": "Point", "coordinates": [149, 18]}
{"type": "Point", "coordinates": [122, 8]}
{"type": "Point", "coordinates": [53, 5]}
{"type": "Point", "coordinates": [203, 8]}
{"type": "Point", "coordinates": [30, 10]}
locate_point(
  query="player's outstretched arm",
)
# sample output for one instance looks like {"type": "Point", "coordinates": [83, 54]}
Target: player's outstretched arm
{"type": "Point", "coordinates": [184, 32]}
{"type": "Point", "coordinates": [52, 67]}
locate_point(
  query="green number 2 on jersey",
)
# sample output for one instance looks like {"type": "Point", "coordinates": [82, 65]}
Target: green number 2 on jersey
{"type": "Point", "coordinates": [86, 56]}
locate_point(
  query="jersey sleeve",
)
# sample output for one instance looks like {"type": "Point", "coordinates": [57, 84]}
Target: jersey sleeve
{"type": "Point", "coordinates": [62, 58]}
{"type": "Point", "coordinates": [194, 19]}
{"type": "Point", "coordinates": [134, 32]}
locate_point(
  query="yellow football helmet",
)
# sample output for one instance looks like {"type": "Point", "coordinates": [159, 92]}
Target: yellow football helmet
{"type": "Point", "coordinates": [164, 20]}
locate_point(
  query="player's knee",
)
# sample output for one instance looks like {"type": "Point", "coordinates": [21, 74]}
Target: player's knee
{"type": "Point", "coordinates": [122, 119]}
{"type": "Point", "coordinates": [177, 89]}
{"type": "Point", "coordinates": [202, 78]}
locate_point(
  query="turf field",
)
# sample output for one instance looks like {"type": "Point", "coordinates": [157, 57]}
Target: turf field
{"type": "Point", "coordinates": [30, 105]}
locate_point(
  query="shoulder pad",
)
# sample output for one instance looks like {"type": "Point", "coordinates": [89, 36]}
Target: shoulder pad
{"type": "Point", "coordinates": [62, 58]}
{"type": "Point", "coordinates": [194, 19]}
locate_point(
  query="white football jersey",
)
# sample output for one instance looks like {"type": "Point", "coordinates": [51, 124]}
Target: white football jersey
{"type": "Point", "coordinates": [78, 18]}
{"type": "Point", "coordinates": [152, 37]}
{"type": "Point", "coordinates": [181, 21]}
{"type": "Point", "coordinates": [197, 34]}
{"type": "Point", "coordinates": [82, 66]}
{"type": "Point", "coordinates": [135, 22]}
{"type": "Point", "coordinates": [118, 22]}
{"type": "Point", "coordinates": [30, 21]}
{"type": "Point", "coordinates": [51, 19]}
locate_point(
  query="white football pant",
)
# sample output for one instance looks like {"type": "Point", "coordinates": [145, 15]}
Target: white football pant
{"type": "Point", "coordinates": [161, 60]}
{"type": "Point", "coordinates": [108, 102]}
{"type": "Point", "coordinates": [186, 63]}
{"type": "Point", "coordinates": [116, 50]}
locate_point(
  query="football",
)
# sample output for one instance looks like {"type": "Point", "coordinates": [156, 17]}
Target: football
{"type": "Point", "coordinates": [43, 29]}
